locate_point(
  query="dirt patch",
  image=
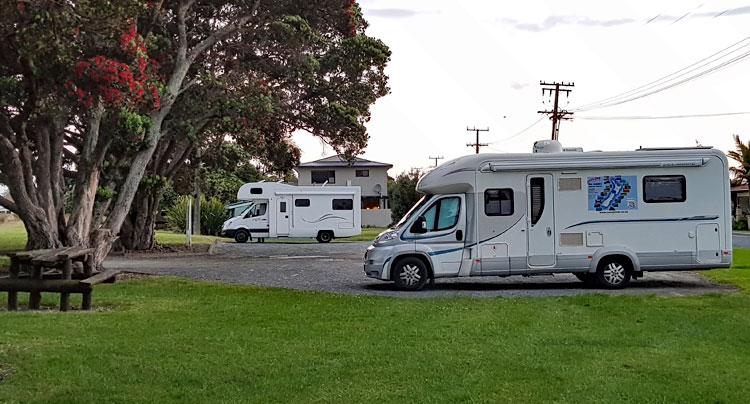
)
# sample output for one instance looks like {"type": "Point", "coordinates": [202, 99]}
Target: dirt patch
{"type": "Point", "coordinates": [5, 372]}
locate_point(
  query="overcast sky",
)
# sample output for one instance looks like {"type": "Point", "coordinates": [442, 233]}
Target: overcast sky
{"type": "Point", "coordinates": [475, 62]}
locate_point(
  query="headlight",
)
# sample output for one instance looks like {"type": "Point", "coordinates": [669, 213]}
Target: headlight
{"type": "Point", "coordinates": [387, 236]}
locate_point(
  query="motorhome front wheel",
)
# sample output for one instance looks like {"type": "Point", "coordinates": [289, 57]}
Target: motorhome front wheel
{"type": "Point", "coordinates": [410, 274]}
{"type": "Point", "coordinates": [241, 236]}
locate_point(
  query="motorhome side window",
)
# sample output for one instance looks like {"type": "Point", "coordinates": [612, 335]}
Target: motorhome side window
{"type": "Point", "coordinates": [536, 186]}
{"type": "Point", "coordinates": [342, 204]}
{"type": "Point", "coordinates": [664, 188]}
{"type": "Point", "coordinates": [443, 214]}
{"type": "Point", "coordinates": [498, 202]}
{"type": "Point", "coordinates": [256, 191]}
{"type": "Point", "coordinates": [301, 203]}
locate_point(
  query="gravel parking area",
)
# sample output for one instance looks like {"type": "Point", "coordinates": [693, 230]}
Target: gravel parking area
{"type": "Point", "coordinates": [337, 268]}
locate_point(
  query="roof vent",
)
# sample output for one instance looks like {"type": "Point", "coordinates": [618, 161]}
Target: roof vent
{"type": "Point", "coordinates": [547, 146]}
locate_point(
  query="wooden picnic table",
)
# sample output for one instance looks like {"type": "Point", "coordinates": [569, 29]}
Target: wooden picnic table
{"type": "Point", "coordinates": [52, 270]}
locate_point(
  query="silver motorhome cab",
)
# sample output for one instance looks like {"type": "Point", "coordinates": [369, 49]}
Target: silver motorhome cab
{"type": "Point", "coordinates": [606, 217]}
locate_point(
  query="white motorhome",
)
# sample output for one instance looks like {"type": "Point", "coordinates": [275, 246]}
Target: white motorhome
{"type": "Point", "coordinates": [606, 217]}
{"type": "Point", "coordinates": [283, 210]}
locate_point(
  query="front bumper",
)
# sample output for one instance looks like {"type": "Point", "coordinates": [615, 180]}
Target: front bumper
{"type": "Point", "coordinates": [377, 262]}
{"type": "Point", "coordinates": [228, 233]}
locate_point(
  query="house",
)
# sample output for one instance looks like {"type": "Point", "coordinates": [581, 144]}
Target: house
{"type": "Point", "coordinates": [370, 176]}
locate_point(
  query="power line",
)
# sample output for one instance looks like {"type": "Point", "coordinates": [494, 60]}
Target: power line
{"type": "Point", "coordinates": [557, 114]}
{"type": "Point", "coordinates": [672, 85]}
{"type": "Point", "coordinates": [645, 117]}
{"type": "Point", "coordinates": [476, 144]}
{"type": "Point", "coordinates": [520, 132]}
{"type": "Point", "coordinates": [716, 56]}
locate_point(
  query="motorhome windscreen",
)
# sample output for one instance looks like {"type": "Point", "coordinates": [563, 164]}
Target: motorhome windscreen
{"type": "Point", "coordinates": [417, 206]}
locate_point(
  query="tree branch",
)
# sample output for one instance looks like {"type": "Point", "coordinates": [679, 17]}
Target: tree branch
{"type": "Point", "coordinates": [8, 204]}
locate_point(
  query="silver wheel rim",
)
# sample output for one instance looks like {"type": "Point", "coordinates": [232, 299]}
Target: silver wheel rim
{"type": "Point", "coordinates": [614, 273]}
{"type": "Point", "coordinates": [410, 275]}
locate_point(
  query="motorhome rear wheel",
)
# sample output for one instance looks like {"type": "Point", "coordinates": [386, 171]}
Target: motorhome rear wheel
{"type": "Point", "coordinates": [613, 273]}
{"type": "Point", "coordinates": [325, 236]}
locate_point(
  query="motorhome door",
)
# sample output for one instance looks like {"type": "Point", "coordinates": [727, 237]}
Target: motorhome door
{"type": "Point", "coordinates": [540, 220]}
{"type": "Point", "coordinates": [283, 209]}
{"type": "Point", "coordinates": [444, 237]}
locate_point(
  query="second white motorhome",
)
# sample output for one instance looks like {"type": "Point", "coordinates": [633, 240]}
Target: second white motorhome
{"type": "Point", "coordinates": [606, 217]}
{"type": "Point", "coordinates": [283, 210]}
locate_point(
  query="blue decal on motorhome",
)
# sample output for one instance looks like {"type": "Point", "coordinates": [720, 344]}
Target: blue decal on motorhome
{"type": "Point", "coordinates": [613, 193]}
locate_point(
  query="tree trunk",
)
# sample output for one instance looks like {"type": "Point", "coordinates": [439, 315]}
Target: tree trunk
{"type": "Point", "coordinates": [139, 229]}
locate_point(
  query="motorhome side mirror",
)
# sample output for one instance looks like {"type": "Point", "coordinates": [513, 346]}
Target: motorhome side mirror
{"type": "Point", "coordinates": [420, 226]}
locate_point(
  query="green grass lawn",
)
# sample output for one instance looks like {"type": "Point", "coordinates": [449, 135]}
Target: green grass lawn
{"type": "Point", "coordinates": [169, 340]}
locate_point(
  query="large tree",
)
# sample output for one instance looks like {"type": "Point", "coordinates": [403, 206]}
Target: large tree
{"type": "Point", "coordinates": [142, 89]}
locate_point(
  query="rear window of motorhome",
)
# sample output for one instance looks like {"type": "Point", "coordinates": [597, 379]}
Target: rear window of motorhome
{"type": "Point", "coordinates": [301, 203]}
{"type": "Point", "coordinates": [664, 188]}
{"type": "Point", "coordinates": [342, 204]}
{"type": "Point", "coordinates": [256, 191]}
{"type": "Point", "coordinates": [498, 202]}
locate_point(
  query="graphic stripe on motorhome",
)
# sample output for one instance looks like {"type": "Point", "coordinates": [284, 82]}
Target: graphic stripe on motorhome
{"type": "Point", "coordinates": [445, 251]}
{"type": "Point", "coordinates": [677, 219]}
{"type": "Point", "coordinates": [324, 217]}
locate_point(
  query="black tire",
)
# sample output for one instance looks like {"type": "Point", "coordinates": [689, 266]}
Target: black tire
{"type": "Point", "coordinates": [613, 273]}
{"type": "Point", "coordinates": [324, 236]}
{"type": "Point", "coordinates": [241, 236]}
{"type": "Point", "coordinates": [410, 273]}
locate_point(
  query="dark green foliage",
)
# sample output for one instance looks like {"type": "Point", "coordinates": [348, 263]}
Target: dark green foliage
{"type": "Point", "coordinates": [741, 154]}
{"type": "Point", "coordinates": [177, 214]}
{"type": "Point", "coordinates": [213, 215]}
{"type": "Point", "coordinates": [740, 225]}
{"type": "Point", "coordinates": [403, 193]}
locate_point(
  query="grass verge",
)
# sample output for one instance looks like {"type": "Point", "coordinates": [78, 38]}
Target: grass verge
{"type": "Point", "coordinates": [170, 340]}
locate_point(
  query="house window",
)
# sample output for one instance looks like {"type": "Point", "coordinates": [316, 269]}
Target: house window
{"type": "Point", "coordinates": [498, 202]}
{"type": "Point", "coordinates": [301, 203]}
{"type": "Point", "coordinates": [664, 188]}
{"type": "Point", "coordinates": [342, 204]}
{"type": "Point", "coordinates": [323, 176]}
{"type": "Point", "coordinates": [370, 202]}
{"type": "Point", "coordinates": [362, 173]}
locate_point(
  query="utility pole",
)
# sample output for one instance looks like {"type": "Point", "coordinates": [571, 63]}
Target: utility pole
{"type": "Point", "coordinates": [436, 159]}
{"type": "Point", "coordinates": [557, 114]}
{"type": "Point", "coordinates": [476, 144]}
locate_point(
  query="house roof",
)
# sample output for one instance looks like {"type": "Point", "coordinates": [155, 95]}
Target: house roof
{"type": "Point", "coordinates": [339, 161]}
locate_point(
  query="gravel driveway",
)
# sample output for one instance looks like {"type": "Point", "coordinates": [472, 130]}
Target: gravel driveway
{"type": "Point", "coordinates": [337, 267]}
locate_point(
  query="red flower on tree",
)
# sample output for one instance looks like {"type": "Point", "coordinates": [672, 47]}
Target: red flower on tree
{"type": "Point", "coordinates": [116, 82]}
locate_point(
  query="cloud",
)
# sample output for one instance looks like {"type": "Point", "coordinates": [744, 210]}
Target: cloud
{"type": "Point", "coordinates": [560, 20]}
{"type": "Point", "coordinates": [390, 12]}
{"type": "Point", "coordinates": [519, 86]}
{"type": "Point", "coordinates": [557, 20]}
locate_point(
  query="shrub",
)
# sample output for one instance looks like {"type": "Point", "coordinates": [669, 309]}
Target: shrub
{"type": "Point", "coordinates": [740, 225]}
{"type": "Point", "coordinates": [213, 215]}
{"type": "Point", "coordinates": [177, 214]}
